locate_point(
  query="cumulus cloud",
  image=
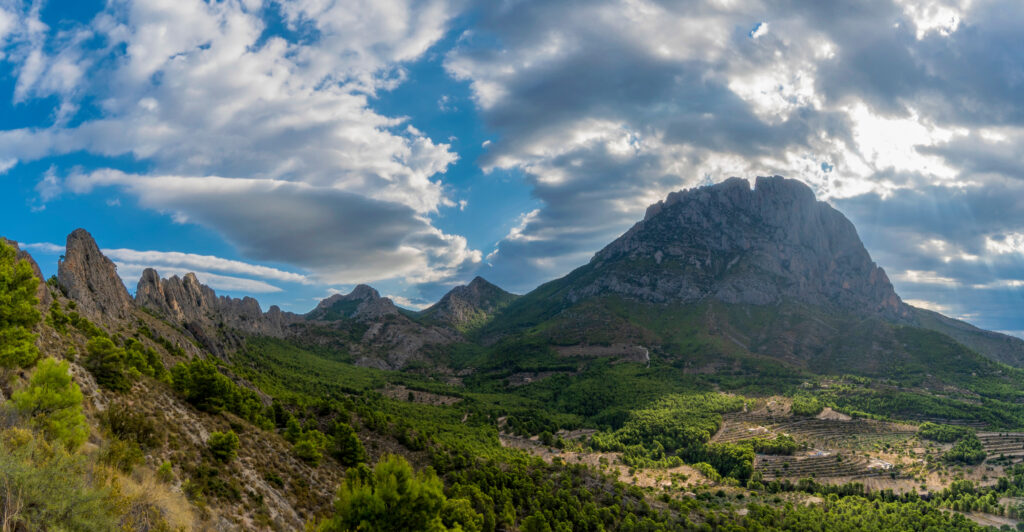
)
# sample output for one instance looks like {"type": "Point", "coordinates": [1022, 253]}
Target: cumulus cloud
{"type": "Point", "coordinates": [254, 118]}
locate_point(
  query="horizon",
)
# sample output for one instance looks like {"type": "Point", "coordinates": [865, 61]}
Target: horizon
{"type": "Point", "coordinates": [437, 142]}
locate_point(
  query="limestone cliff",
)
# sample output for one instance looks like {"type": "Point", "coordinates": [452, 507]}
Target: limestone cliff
{"type": "Point", "coordinates": [90, 279]}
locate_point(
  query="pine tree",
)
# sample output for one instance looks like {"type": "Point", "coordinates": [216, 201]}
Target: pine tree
{"type": "Point", "coordinates": [53, 403]}
{"type": "Point", "coordinates": [17, 310]}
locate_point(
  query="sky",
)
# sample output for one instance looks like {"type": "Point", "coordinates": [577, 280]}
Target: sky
{"type": "Point", "coordinates": [290, 150]}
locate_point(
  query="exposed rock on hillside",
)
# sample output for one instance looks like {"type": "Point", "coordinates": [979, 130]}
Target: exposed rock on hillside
{"type": "Point", "coordinates": [741, 245]}
{"type": "Point", "coordinates": [91, 279]}
{"type": "Point", "coordinates": [466, 307]}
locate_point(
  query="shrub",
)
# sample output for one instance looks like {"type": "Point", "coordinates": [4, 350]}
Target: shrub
{"type": "Point", "coordinates": [165, 472]}
{"type": "Point", "coordinates": [942, 433]}
{"type": "Point", "coordinates": [54, 404]}
{"type": "Point", "coordinates": [968, 451]}
{"type": "Point", "coordinates": [806, 405]}
{"type": "Point", "coordinates": [123, 455]}
{"type": "Point", "coordinates": [310, 446]}
{"type": "Point", "coordinates": [129, 425]}
{"type": "Point", "coordinates": [223, 445]}
{"type": "Point", "coordinates": [53, 489]}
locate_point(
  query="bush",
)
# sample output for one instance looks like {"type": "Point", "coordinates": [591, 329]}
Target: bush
{"type": "Point", "coordinates": [208, 389]}
{"type": "Point", "coordinates": [223, 445]}
{"type": "Point", "coordinates": [53, 403]}
{"type": "Point", "coordinates": [165, 472]}
{"type": "Point", "coordinates": [806, 405]}
{"type": "Point", "coordinates": [129, 425]}
{"type": "Point", "coordinates": [124, 455]}
{"type": "Point", "coordinates": [53, 489]}
{"type": "Point", "coordinates": [310, 446]}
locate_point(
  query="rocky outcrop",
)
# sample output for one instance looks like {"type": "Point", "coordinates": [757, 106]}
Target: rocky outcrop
{"type": "Point", "coordinates": [195, 305]}
{"type": "Point", "coordinates": [469, 306]}
{"type": "Point", "coordinates": [89, 278]}
{"type": "Point", "coordinates": [735, 244]}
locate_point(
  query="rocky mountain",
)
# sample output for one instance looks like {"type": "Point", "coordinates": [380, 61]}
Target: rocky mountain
{"type": "Point", "coordinates": [468, 307]}
{"type": "Point", "coordinates": [85, 275]}
{"type": "Point", "coordinates": [769, 270]}
{"type": "Point", "coordinates": [755, 246]}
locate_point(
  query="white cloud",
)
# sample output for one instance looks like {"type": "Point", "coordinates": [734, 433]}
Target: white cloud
{"type": "Point", "coordinates": [929, 305]}
{"type": "Point", "coordinates": [131, 273]}
{"type": "Point", "coordinates": [193, 262]}
{"type": "Point", "coordinates": [924, 277]}
{"type": "Point", "coordinates": [403, 301]}
{"type": "Point", "coordinates": [44, 247]}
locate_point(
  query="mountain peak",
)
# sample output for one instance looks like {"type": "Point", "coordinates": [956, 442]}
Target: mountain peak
{"type": "Point", "coordinates": [468, 306]}
{"type": "Point", "coordinates": [738, 244]}
{"type": "Point", "coordinates": [90, 278]}
{"type": "Point", "coordinates": [363, 302]}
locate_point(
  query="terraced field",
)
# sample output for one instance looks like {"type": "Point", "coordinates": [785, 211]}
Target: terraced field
{"type": "Point", "coordinates": [998, 444]}
{"type": "Point", "coordinates": [854, 434]}
{"type": "Point", "coordinates": [823, 465]}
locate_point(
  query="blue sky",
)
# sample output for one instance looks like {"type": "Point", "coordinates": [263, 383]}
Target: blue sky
{"type": "Point", "coordinates": [291, 149]}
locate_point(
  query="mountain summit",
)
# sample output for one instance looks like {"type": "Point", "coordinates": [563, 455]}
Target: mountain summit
{"type": "Point", "coordinates": [470, 306]}
{"type": "Point", "coordinates": [740, 245]}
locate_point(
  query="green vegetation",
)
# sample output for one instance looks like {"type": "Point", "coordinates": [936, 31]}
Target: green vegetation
{"type": "Point", "coordinates": [17, 311]}
{"type": "Point", "coordinates": [115, 367]}
{"type": "Point", "coordinates": [968, 451]}
{"type": "Point", "coordinates": [942, 433]}
{"type": "Point", "coordinates": [223, 445]}
{"type": "Point", "coordinates": [205, 387]}
{"type": "Point", "coordinates": [393, 497]}
{"type": "Point", "coordinates": [53, 404]}
{"type": "Point", "coordinates": [806, 405]}
{"type": "Point", "coordinates": [50, 488]}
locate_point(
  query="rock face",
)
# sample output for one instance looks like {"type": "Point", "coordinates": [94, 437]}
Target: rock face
{"type": "Point", "coordinates": [735, 244]}
{"type": "Point", "coordinates": [466, 307]}
{"type": "Point", "coordinates": [91, 279]}
{"type": "Point", "coordinates": [191, 303]}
